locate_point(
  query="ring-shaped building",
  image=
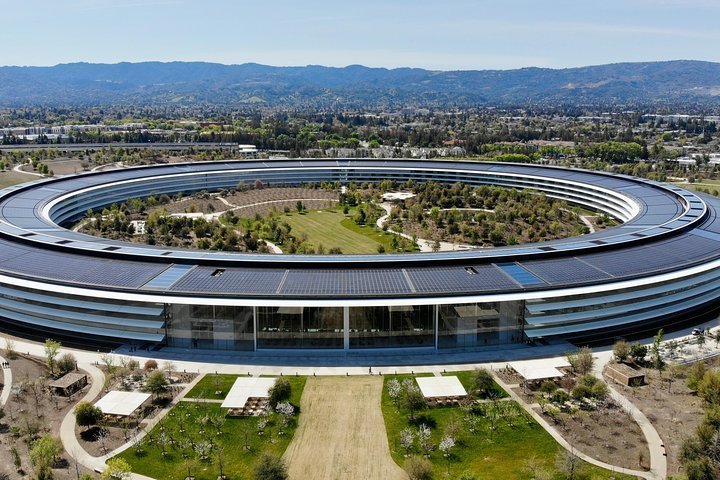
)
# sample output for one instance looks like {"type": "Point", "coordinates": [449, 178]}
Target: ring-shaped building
{"type": "Point", "coordinates": [658, 267]}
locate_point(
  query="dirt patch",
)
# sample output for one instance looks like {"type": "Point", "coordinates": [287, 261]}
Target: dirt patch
{"type": "Point", "coordinates": [608, 434]}
{"type": "Point", "coordinates": [31, 412]}
{"type": "Point", "coordinates": [342, 432]}
{"type": "Point", "coordinates": [675, 412]}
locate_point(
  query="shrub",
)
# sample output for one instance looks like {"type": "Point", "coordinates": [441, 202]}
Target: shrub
{"type": "Point", "coordinates": [66, 363]}
{"type": "Point", "coordinates": [150, 365]}
{"type": "Point", "coordinates": [418, 468]}
{"type": "Point", "coordinates": [548, 387]}
{"type": "Point", "coordinates": [560, 396]}
{"type": "Point", "coordinates": [280, 391]}
{"type": "Point", "coordinates": [270, 467]}
{"type": "Point", "coordinates": [621, 350]}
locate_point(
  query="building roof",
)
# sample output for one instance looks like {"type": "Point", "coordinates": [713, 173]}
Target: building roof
{"type": "Point", "coordinates": [68, 380]}
{"type": "Point", "coordinates": [436, 387]}
{"type": "Point", "coordinates": [540, 369]}
{"type": "Point", "coordinates": [121, 403]}
{"type": "Point", "coordinates": [670, 228]}
{"type": "Point", "coordinates": [247, 387]}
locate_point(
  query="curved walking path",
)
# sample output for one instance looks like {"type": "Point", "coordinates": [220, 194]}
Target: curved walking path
{"type": "Point", "coordinates": [425, 245]}
{"type": "Point", "coordinates": [205, 363]}
{"type": "Point", "coordinates": [18, 169]}
{"type": "Point", "coordinates": [658, 458]}
{"type": "Point", "coordinates": [7, 383]}
{"type": "Point", "coordinates": [650, 475]}
{"type": "Point", "coordinates": [342, 432]}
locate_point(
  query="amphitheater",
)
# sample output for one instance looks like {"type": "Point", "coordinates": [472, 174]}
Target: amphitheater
{"type": "Point", "coordinates": [658, 268]}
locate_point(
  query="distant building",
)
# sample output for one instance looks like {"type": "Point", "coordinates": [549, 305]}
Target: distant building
{"type": "Point", "coordinates": [248, 151]}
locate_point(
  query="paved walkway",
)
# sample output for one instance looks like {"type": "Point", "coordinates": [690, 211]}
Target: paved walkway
{"type": "Point", "coordinates": [658, 459]}
{"type": "Point", "coordinates": [211, 362]}
{"type": "Point", "coordinates": [7, 383]}
{"type": "Point", "coordinates": [563, 443]}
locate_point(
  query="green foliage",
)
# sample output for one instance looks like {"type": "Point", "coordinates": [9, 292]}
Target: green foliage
{"type": "Point", "coordinates": [270, 467]}
{"type": "Point", "coordinates": [197, 423]}
{"type": "Point", "coordinates": [581, 360]}
{"type": "Point", "coordinates": [638, 352]}
{"type": "Point", "coordinates": [418, 468]}
{"type": "Point", "coordinates": [52, 349]}
{"type": "Point", "coordinates": [44, 452]}
{"type": "Point", "coordinates": [87, 415]}
{"type": "Point", "coordinates": [280, 391]}
{"type": "Point", "coordinates": [156, 383]}
{"type": "Point", "coordinates": [483, 383]}
{"type": "Point", "coordinates": [621, 350]}
{"type": "Point", "coordinates": [708, 387]}
{"type": "Point", "coordinates": [117, 469]}
{"type": "Point", "coordinates": [412, 398]}
{"type": "Point", "coordinates": [66, 363]}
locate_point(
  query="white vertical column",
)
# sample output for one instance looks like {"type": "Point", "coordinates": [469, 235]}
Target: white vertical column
{"type": "Point", "coordinates": [346, 328]}
{"type": "Point", "coordinates": [436, 309]}
{"type": "Point", "coordinates": [255, 328]}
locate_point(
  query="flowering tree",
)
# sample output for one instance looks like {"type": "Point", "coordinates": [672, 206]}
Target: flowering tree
{"type": "Point", "coordinates": [394, 389]}
{"type": "Point", "coordinates": [407, 439]}
{"type": "Point", "coordinates": [286, 410]}
{"type": "Point", "coordinates": [446, 444]}
{"type": "Point", "coordinates": [423, 436]}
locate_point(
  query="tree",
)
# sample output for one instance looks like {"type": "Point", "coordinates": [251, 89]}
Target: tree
{"type": "Point", "coordinates": [418, 468]}
{"type": "Point", "coordinates": [43, 454]}
{"type": "Point", "coordinates": [407, 439]}
{"type": "Point", "coordinates": [638, 352]}
{"type": "Point", "coordinates": [66, 363]}
{"type": "Point", "coordinates": [423, 436]}
{"type": "Point", "coordinates": [156, 383]}
{"type": "Point", "coordinates": [87, 415]}
{"type": "Point", "coordinates": [117, 469]}
{"type": "Point", "coordinates": [581, 360]}
{"type": "Point", "coordinates": [52, 349]}
{"type": "Point", "coordinates": [280, 391]}
{"type": "Point", "coordinates": [484, 383]}
{"type": "Point", "coordinates": [270, 467]}
{"type": "Point", "coordinates": [621, 350]}
{"type": "Point", "coordinates": [394, 388]}
{"type": "Point", "coordinates": [655, 350]}
{"type": "Point", "coordinates": [412, 399]}
{"type": "Point", "coordinates": [568, 464]}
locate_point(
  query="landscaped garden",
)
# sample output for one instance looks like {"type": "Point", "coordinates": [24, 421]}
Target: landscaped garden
{"type": "Point", "coordinates": [197, 439]}
{"type": "Point", "coordinates": [484, 437]}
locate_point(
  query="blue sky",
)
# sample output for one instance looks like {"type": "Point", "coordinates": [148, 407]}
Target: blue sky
{"type": "Point", "coordinates": [438, 34]}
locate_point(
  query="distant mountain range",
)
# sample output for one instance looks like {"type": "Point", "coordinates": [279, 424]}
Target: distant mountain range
{"type": "Point", "coordinates": [193, 83]}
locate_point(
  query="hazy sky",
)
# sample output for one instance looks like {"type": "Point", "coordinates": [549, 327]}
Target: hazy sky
{"type": "Point", "coordinates": [435, 34]}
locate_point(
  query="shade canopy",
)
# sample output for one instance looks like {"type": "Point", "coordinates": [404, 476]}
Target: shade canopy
{"type": "Point", "coordinates": [122, 403]}
{"type": "Point", "coordinates": [541, 369]}
{"type": "Point", "coordinates": [247, 387]}
{"type": "Point", "coordinates": [435, 387]}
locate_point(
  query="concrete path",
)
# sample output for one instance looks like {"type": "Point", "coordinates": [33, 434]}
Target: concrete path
{"type": "Point", "coordinates": [424, 245]}
{"type": "Point", "coordinates": [7, 383]}
{"type": "Point", "coordinates": [18, 169]}
{"type": "Point", "coordinates": [658, 459]}
{"type": "Point", "coordinates": [563, 443]}
{"type": "Point", "coordinates": [67, 427]}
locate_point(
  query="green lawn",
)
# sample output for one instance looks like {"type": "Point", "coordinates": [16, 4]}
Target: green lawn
{"type": "Point", "coordinates": [238, 461]}
{"type": "Point", "coordinates": [332, 228]}
{"type": "Point", "coordinates": [710, 186]}
{"type": "Point", "coordinates": [488, 453]}
{"type": "Point", "coordinates": [211, 383]}
{"type": "Point", "coordinates": [466, 378]}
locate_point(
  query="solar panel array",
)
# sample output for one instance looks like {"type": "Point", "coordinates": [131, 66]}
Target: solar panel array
{"type": "Point", "coordinates": [565, 270]}
{"type": "Point", "coordinates": [345, 282]}
{"type": "Point", "coordinates": [418, 276]}
{"type": "Point", "coordinates": [232, 280]}
{"type": "Point", "coordinates": [457, 279]}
